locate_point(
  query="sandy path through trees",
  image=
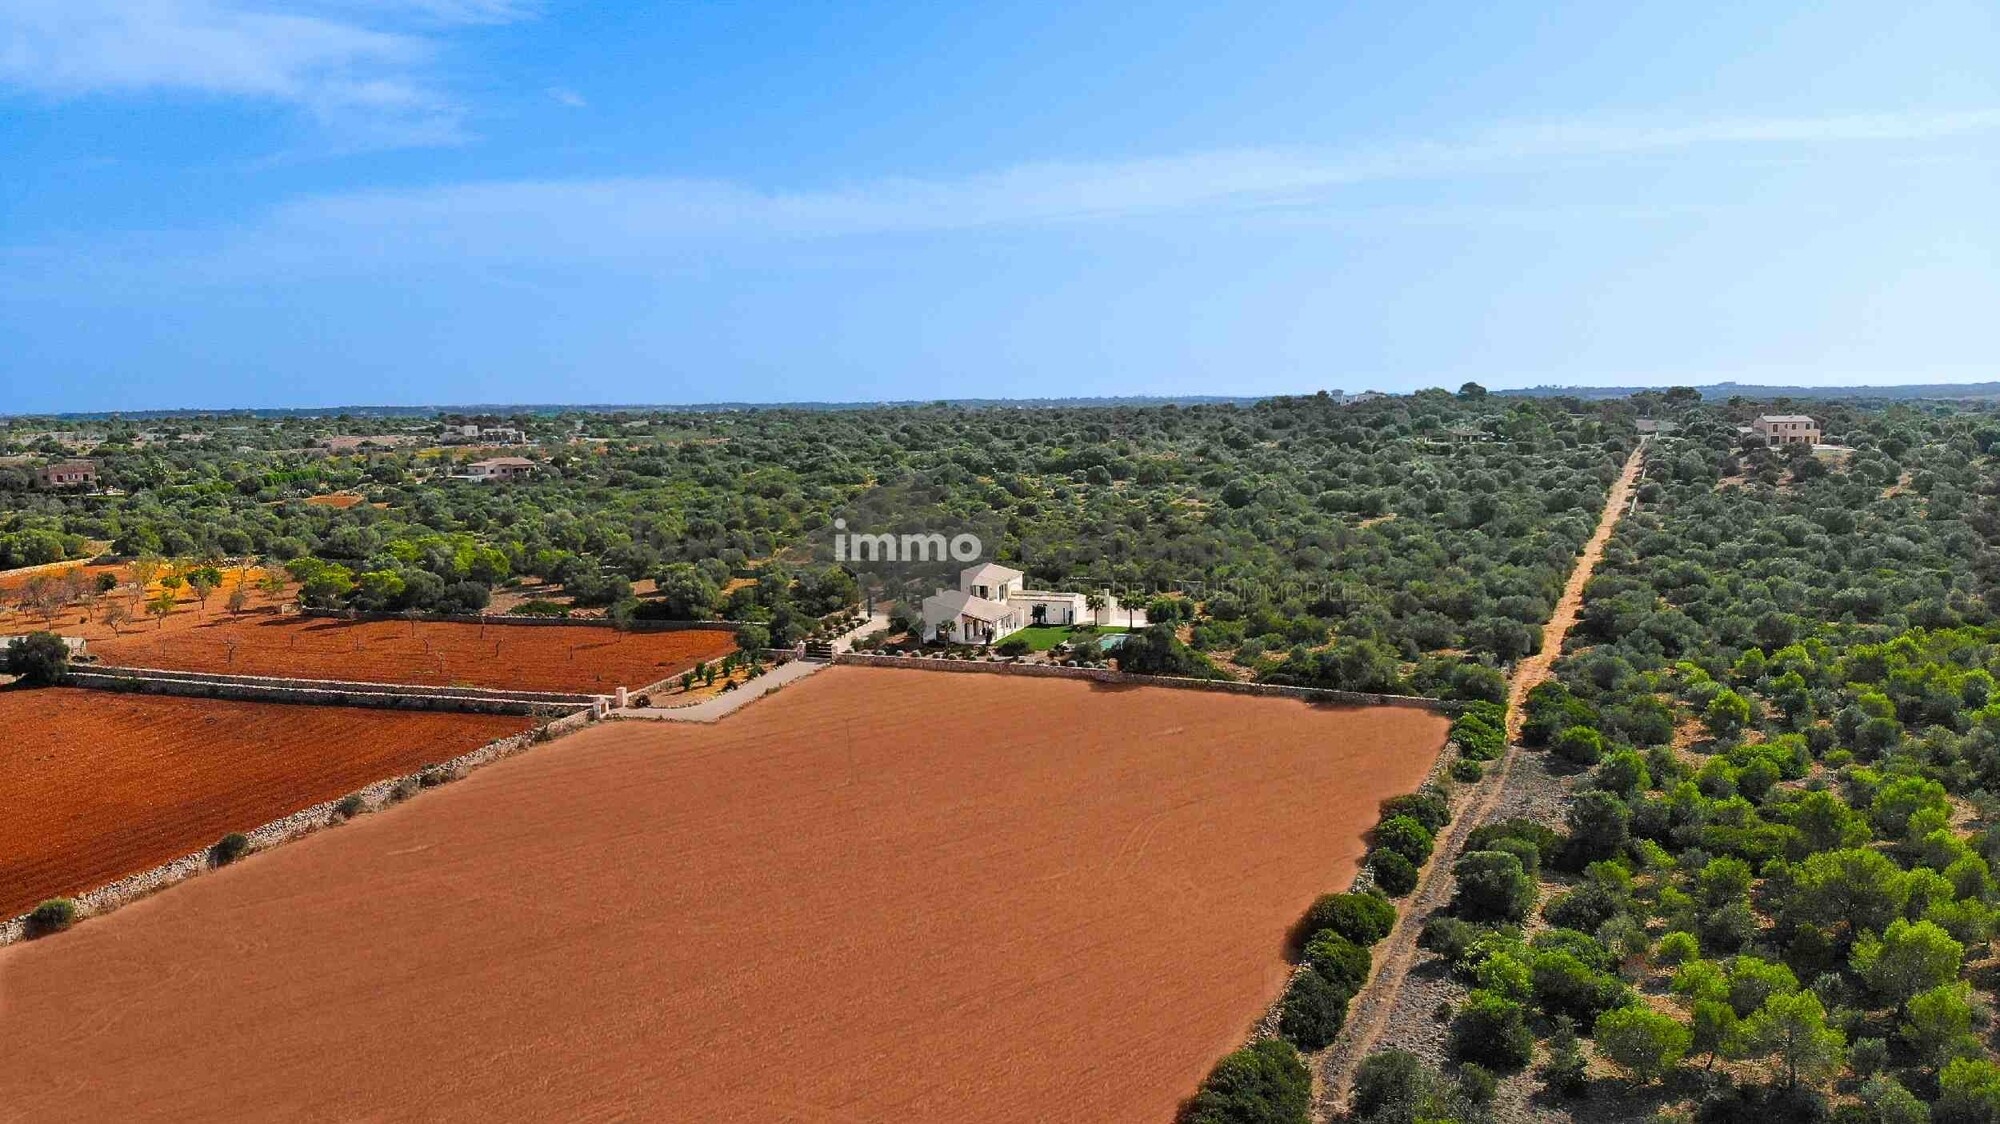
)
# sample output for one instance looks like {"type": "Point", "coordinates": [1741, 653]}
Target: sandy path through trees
{"type": "Point", "coordinates": [1370, 1012]}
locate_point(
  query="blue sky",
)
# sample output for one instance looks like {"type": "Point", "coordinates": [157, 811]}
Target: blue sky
{"type": "Point", "coordinates": [236, 203]}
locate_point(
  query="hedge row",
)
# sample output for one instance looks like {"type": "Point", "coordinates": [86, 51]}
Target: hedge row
{"type": "Point", "coordinates": [1268, 1082]}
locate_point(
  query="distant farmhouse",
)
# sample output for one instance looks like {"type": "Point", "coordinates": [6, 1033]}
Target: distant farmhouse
{"type": "Point", "coordinates": [990, 603]}
{"type": "Point", "coordinates": [68, 474]}
{"type": "Point", "coordinates": [490, 435]}
{"type": "Point", "coordinates": [1786, 429]}
{"type": "Point", "coordinates": [500, 470]}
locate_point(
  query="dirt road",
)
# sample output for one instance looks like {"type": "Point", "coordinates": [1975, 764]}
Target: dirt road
{"type": "Point", "coordinates": [1370, 1012]}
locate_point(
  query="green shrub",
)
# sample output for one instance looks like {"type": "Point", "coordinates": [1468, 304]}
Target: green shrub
{"type": "Point", "coordinates": [1392, 1085]}
{"type": "Point", "coordinates": [1013, 646]}
{"type": "Point", "coordinates": [1448, 936]}
{"type": "Point", "coordinates": [1583, 946]}
{"type": "Point", "coordinates": [1479, 736]}
{"type": "Point", "coordinates": [1551, 708]}
{"type": "Point", "coordinates": [1394, 874]}
{"type": "Point", "coordinates": [52, 916]}
{"type": "Point", "coordinates": [1567, 1071]}
{"type": "Point", "coordinates": [1343, 962]}
{"type": "Point", "coordinates": [1868, 1056]}
{"type": "Point", "coordinates": [1677, 948]}
{"type": "Point", "coordinates": [1644, 1042]}
{"type": "Point", "coordinates": [1492, 886]}
{"type": "Point", "coordinates": [1405, 836]}
{"type": "Point", "coordinates": [1313, 1011]}
{"type": "Point", "coordinates": [1579, 745]}
{"type": "Point", "coordinates": [1476, 1085]}
{"type": "Point", "coordinates": [1587, 907]}
{"type": "Point", "coordinates": [1429, 808]}
{"type": "Point", "coordinates": [1564, 984]}
{"type": "Point", "coordinates": [1467, 770]}
{"type": "Point", "coordinates": [1540, 840]}
{"type": "Point", "coordinates": [1264, 1083]}
{"type": "Point", "coordinates": [350, 806]}
{"type": "Point", "coordinates": [40, 659]}
{"type": "Point", "coordinates": [1491, 1031]}
{"type": "Point", "coordinates": [228, 849]}
{"type": "Point", "coordinates": [1360, 917]}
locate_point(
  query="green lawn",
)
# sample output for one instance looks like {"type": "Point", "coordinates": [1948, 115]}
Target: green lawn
{"type": "Point", "coordinates": [1042, 637]}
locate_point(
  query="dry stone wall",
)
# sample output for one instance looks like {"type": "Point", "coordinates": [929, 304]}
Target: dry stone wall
{"type": "Point", "coordinates": [386, 791]}
{"type": "Point", "coordinates": [326, 692]}
{"type": "Point", "coordinates": [1107, 675]}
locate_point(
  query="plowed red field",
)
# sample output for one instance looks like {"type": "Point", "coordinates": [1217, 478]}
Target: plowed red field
{"type": "Point", "coordinates": [877, 896]}
{"type": "Point", "coordinates": [519, 657]}
{"type": "Point", "coordinates": [98, 785]}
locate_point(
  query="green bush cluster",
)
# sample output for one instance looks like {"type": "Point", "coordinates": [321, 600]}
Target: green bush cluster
{"type": "Point", "coordinates": [1480, 732]}
{"type": "Point", "coordinates": [1264, 1083]}
{"type": "Point", "coordinates": [1403, 838]}
{"type": "Point", "coordinates": [1779, 719]}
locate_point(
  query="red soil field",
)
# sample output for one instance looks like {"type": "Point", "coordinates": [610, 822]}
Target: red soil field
{"type": "Point", "coordinates": [13, 581]}
{"type": "Point", "coordinates": [341, 500]}
{"type": "Point", "coordinates": [881, 895]}
{"type": "Point", "coordinates": [99, 785]}
{"type": "Point", "coordinates": [86, 618]}
{"type": "Point", "coordinates": [516, 657]}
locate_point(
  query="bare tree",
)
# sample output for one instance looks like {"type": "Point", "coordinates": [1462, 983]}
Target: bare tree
{"type": "Point", "coordinates": [45, 598]}
{"type": "Point", "coordinates": [144, 569]}
{"type": "Point", "coordinates": [116, 615]}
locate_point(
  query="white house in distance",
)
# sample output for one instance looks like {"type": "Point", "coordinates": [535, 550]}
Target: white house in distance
{"type": "Point", "coordinates": [990, 603]}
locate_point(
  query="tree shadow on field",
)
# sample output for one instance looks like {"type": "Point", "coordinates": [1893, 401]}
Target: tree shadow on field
{"type": "Point", "coordinates": [319, 626]}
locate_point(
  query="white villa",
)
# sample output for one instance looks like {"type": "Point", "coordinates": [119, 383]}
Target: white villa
{"type": "Point", "coordinates": [990, 603]}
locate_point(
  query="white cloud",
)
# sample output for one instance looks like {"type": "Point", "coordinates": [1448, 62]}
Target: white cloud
{"type": "Point", "coordinates": [362, 66]}
{"type": "Point", "coordinates": [635, 215]}
{"type": "Point", "coordinates": [568, 97]}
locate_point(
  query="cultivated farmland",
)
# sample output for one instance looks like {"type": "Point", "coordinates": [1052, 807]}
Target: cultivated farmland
{"type": "Point", "coordinates": [98, 785]}
{"type": "Point", "coordinates": [878, 895]}
{"type": "Point", "coordinates": [436, 653]}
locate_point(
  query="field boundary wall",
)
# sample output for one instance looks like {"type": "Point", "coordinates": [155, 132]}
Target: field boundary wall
{"type": "Point", "coordinates": [374, 796]}
{"type": "Point", "coordinates": [511, 620]}
{"type": "Point", "coordinates": [1107, 675]}
{"type": "Point", "coordinates": [325, 692]}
